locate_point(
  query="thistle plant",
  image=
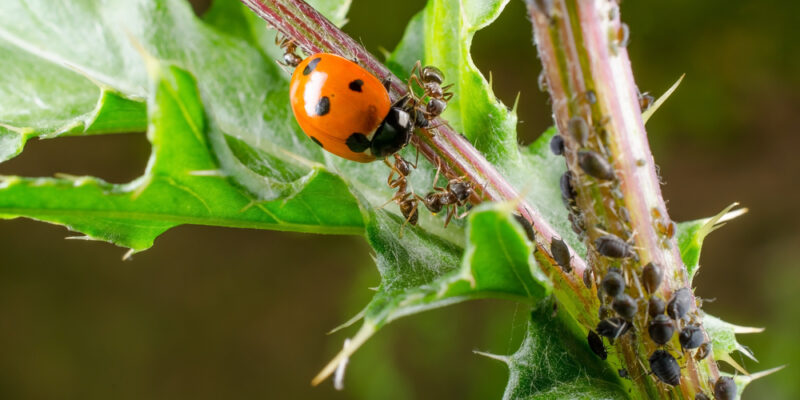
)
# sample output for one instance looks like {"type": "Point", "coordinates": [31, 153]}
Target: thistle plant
{"type": "Point", "coordinates": [573, 226]}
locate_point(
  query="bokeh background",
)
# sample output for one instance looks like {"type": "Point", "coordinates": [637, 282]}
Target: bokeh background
{"type": "Point", "coordinates": [212, 313]}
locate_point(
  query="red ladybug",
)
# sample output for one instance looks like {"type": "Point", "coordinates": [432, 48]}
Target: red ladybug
{"type": "Point", "coordinates": [346, 110]}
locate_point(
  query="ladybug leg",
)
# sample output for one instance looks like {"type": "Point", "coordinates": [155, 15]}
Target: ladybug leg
{"type": "Point", "coordinates": [387, 83]}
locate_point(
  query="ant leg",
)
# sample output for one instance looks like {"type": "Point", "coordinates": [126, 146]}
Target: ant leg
{"type": "Point", "coordinates": [450, 211]}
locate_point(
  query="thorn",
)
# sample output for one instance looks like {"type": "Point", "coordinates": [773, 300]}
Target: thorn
{"type": "Point", "coordinates": [82, 237]}
{"type": "Point", "coordinates": [746, 329]}
{"type": "Point", "coordinates": [497, 357]}
{"type": "Point", "coordinates": [349, 322]}
{"type": "Point", "coordinates": [727, 358]}
{"type": "Point", "coordinates": [491, 79]}
{"type": "Point", "coordinates": [208, 172]}
{"type": "Point", "coordinates": [649, 112]}
{"type": "Point", "coordinates": [759, 375]}
{"type": "Point", "coordinates": [338, 376]}
{"type": "Point", "coordinates": [128, 255]}
{"type": "Point", "coordinates": [715, 222]}
{"type": "Point", "coordinates": [516, 103]}
{"type": "Point", "coordinates": [366, 331]}
{"type": "Point", "coordinates": [746, 352]}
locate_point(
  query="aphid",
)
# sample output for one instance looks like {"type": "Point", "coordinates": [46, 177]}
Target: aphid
{"type": "Point", "coordinates": [525, 226]}
{"type": "Point", "coordinates": [703, 351]}
{"type": "Point", "coordinates": [430, 79]}
{"type": "Point", "coordinates": [645, 100]}
{"type": "Point", "coordinates": [623, 373]}
{"type": "Point", "coordinates": [655, 306]}
{"type": "Point", "coordinates": [612, 328]}
{"type": "Point", "coordinates": [597, 346]}
{"type": "Point", "coordinates": [595, 165]}
{"type": "Point", "coordinates": [665, 368]}
{"type": "Point", "coordinates": [612, 283]}
{"type": "Point", "coordinates": [691, 337]}
{"type": "Point", "coordinates": [612, 246]}
{"type": "Point", "coordinates": [661, 329]}
{"type": "Point", "coordinates": [578, 129]}
{"type": "Point", "coordinates": [651, 277]}
{"type": "Point", "coordinates": [346, 110]}
{"type": "Point", "coordinates": [568, 192]}
{"type": "Point", "coordinates": [725, 388]}
{"type": "Point", "coordinates": [623, 35]}
{"type": "Point", "coordinates": [577, 223]}
{"type": "Point", "coordinates": [560, 253]}
{"type": "Point", "coordinates": [679, 304]}
{"type": "Point", "coordinates": [542, 81]}
{"type": "Point", "coordinates": [701, 396]}
{"type": "Point", "coordinates": [590, 96]}
{"type": "Point", "coordinates": [625, 306]}
{"type": "Point", "coordinates": [557, 145]}
{"type": "Point", "coordinates": [588, 277]}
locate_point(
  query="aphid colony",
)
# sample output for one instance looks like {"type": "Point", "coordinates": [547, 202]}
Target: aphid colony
{"type": "Point", "coordinates": [347, 111]}
{"type": "Point", "coordinates": [622, 310]}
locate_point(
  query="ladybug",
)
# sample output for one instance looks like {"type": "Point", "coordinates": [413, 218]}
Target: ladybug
{"type": "Point", "coordinates": [347, 110]}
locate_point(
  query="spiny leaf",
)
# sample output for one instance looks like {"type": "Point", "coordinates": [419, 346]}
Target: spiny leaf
{"type": "Point", "coordinates": [554, 362]}
{"type": "Point", "coordinates": [182, 185]}
{"type": "Point", "coordinates": [441, 35]}
{"type": "Point", "coordinates": [692, 233]}
{"type": "Point", "coordinates": [497, 262]}
{"type": "Point", "coordinates": [723, 339]}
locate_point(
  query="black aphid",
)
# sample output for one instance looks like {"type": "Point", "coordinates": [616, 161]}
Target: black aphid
{"type": "Point", "coordinates": [568, 192]}
{"type": "Point", "coordinates": [651, 277]}
{"type": "Point", "coordinates": [661, 329]}
{"type": "Point", "coordinates": [578, 129]}
{"type": "Point", "coordinates": [665, 368]}
{"type": "Point", "coordinates": [625, 306]}
{"type": "Point", "coordinates": [679, 304]}
{"type": "Point", "coordinates": [612, 246]}
{"type": "Point", "coordinates": [588, 277]}
{"type": "Point", "coordinates": [557, 145]}
{"type": "Point", "coordinates": [596, 344]}
{"type": "Point", "coordinates": [655, 306]}
{"type": "Point", "coordinates": [725, 388]}
{"type": "Point", "coordinates": [595, 165]}
{"type": "Point", "coordinates": [526, 226]}
{"type": "Point", "coordinates": [691, 337]}
{"type": "Point", "coordinates": [623, 373]}
{"type": "Point", "coordinates": [560, 253]}
{"type": "Point", "coordinates": [612, 328]}
{"type": "Point", "coordinates": [612, 284]}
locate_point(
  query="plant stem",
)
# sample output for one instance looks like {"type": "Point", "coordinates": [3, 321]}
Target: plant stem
{"type": "Point", "coordinates": [589, 77]}
{"type": "Point", "coordinates": [441, 146]}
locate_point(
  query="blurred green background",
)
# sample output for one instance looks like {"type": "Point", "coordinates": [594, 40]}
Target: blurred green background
{"type": "Point", "coordinates": [212, 313]}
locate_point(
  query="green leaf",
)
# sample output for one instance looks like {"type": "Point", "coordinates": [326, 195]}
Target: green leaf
{"type": "Point", "coordinates": [554, 362]}
{"type": "Point", "coordinates": [441, 35]}
{"type": "Point", "coordinates": [420, 272]}
{"type": "Point", "coordinates": [182, 185]}
{"type": "Point", "coordinates": [692, 233]}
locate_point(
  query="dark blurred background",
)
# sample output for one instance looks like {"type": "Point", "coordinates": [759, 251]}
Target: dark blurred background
{"type": "Point", "coordinates": [213, 313]}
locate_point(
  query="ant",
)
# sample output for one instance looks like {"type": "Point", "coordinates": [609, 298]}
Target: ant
{"type": "Point", "coordinates": [405, 199]}
{"type": "Point", "coordinates": [455, 194]}
{"type": "Point", "coordinates": [290, 57]}
{"type": "Point", "coordinates": [430, 80]}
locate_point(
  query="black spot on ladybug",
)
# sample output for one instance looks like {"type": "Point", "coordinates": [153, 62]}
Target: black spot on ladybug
{"type": "Point", "coordinates": [317, 142]}
{"type": "Point", "coordinates": [311, 66]}
{"type": "Point", "coordinates": [356, 85]}
{"type": "Point", "coordinates": [324, 106]}
{"type": "Point", "coordinates": [357, 142]}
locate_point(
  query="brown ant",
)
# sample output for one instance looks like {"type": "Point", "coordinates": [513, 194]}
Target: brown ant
{"type": "Point", "coordinates": [455, 194]}
{"type": "Point", "coordinates": [290, 57]}
{"type": "Point", "coordinates": [406, 200]}
{"type": "Point", "coordinates": [430, 80]}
